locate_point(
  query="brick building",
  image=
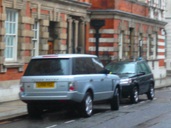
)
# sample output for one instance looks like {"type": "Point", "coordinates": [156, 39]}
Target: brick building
{"type": "Point", "coordinates": [133, 28]}
{"type": "Point", "coordinates": [33, 27]}
{"type": "Point", "coordinates": [129, 29]}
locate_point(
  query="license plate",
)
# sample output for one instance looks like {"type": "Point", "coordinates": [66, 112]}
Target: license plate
{"type": "Point", "coordinates": [45, 85]}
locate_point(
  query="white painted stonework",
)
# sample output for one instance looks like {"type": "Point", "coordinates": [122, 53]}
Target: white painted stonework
{"type": "Point", "coordinates": [101, 49]}
{"type": "Point", "coordinates": [101, 40]}
{"type": "Point", "coordinates": [9, 90]}
{"type": "Point", "coordinates": [158, 72]}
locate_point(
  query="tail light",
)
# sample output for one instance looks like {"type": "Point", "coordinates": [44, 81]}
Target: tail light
{"type": "Point", "coordinates": [71, 86]}
{"type": "Point", "coordinates": [21, 87]}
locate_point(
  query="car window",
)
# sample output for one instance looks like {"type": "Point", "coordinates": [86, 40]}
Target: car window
{"type": "Point", "coordinates": [140, 68]}
{"type": "Point", "coordinates": [98, 65]}
{"type": "Point", "coordinates": [79, 66]}
{"type": "Point", "coordinates": [122, 67]}
{"type": "Point", "coordinates": [145, 68]}
{"type": "Point", "coordinates": [47, 67]}
{"type": "Point", "coordinates": [90, 66]}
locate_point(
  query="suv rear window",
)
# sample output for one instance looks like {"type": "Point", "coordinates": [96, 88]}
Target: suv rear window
{"type": "Point", "coordinates": [59, 66]}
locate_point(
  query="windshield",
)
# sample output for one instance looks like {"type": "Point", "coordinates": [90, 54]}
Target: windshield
{"type": "Point", "coordinates": [47, 67]}
{"type": "Point", "coordinates": [122, 67]}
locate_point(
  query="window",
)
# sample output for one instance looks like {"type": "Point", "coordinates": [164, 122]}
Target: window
{"type": "Point", "coordinates": [140, 45]}
{"type": "Point", "coordinates": [11, 27]}
{"type": "Point", "coordinates": [149, 46]}
{"type": "Point", "coordinates": [98, 65]}
{"type": "Point", "coordinates": [89, 66]}
{"type": "Point", "coordinates": [47, 67]}
{"type": "Point", "coordinates": [159, 2]}
{"type": "Point", "coordinates": [151, 13]}
{"type": "Point", "coordinates": [79, 66]}
{"type": "Point", "coordinates": [35, 40]}
{"type": "Point", "coordinates": [155, 45]}
{"type": "Point", "coordinates": [144, 68]}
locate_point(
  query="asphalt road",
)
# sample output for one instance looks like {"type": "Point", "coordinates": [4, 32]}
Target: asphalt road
{"type": "Point", "coordinates": [145, 114]}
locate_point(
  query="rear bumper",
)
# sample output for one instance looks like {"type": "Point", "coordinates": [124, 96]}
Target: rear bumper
{"type": "Point", "coordinates": [69, 96]}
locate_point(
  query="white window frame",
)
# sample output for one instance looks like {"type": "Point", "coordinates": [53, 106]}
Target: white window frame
{"type": "Point", "coordinates": [11, 35]}
{"type": "Point", "coordinates": [149, 46]}
{"type": "Point", "coordinates": [140, 41]}
{"type": "Point", "coordinates": [155, 45]}
{"type": "Point", "coordinates": [35, 39]}
{"type": "Point", "coordinates": [121, 45]}
{"type": "Point", "coordinates": [151, 13]}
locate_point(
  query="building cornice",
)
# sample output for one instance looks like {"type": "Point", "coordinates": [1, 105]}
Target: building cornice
{"type": "Point", "coordinates": [126, 14]}
{"type": "Point", "coordinates": [71, 2]}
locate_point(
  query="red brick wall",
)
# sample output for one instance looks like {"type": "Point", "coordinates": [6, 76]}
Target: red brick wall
{"type": "Point", "coordinates": [102, 4]}
{"type": "Point", "coordinates": [12, 74]}
{"type": "Point", "coordinates": [123, 5]}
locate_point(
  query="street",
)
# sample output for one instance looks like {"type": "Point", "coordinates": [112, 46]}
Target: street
{"type": "Point", "coordinates": [145, 114]}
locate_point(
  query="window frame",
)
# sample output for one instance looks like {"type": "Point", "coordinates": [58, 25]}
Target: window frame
{"type": "Point", "coordinates": [121, 35]}
{"type": "Point", "coordinates": [11, 31]}
{"type": "Point", "coordinates": [35, 41]}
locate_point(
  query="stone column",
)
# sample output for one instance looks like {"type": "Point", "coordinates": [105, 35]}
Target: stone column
{"type": "Point", "coordinates": [76, 35]}
{"type": "Point", "coordinates": [70, 35]}
{"type": "Point", "coordinates": [82, 37]}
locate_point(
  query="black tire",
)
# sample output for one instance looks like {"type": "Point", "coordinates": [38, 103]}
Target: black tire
{"type": "Point", "coordinates": [34, 111]}
{"type": "Point", "coordinates": [87, 105]}
{"type": "Point", "coordinates": [151, 93]}
{"type": "Point", "coordinates": [115, 101]}
{"type": "Point", "coordinates": [134, 97]}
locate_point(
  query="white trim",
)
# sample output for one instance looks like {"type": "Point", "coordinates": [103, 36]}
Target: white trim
{"type": "Point", "coordinates": [102, 40]}
{"type": "Point", "coordinates": [103, 31]}
{"type": "Point", "coordinates": [161, 43]}
{"type": "Point", "coordinates": [160, 57]}
{"type": "Point", "coordinates": [161, 50]}
{"type": "Point", "coordinates": [102, 49]}
{"type": "Point", "coordinates": [35, 50]}
{"type": "Point", "coordinates": [161, 37]}
{"type": "Point", "coordinates": [121, 45]}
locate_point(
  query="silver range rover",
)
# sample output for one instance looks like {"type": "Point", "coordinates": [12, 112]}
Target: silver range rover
{"type": "Point", "coordinates": [71, 81]}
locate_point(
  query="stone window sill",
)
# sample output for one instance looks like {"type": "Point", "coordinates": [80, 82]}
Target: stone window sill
{"type": "Point", "coordinates": [5, 66]}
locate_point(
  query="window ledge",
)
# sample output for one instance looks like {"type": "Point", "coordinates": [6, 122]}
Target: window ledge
{"type": "Point", "coordinates": [5, 66]}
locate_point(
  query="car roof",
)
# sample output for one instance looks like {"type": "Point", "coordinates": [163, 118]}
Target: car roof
{"type": "Point", "coordinates": [63, 56]}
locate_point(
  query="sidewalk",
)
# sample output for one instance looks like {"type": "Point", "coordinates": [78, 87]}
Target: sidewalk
{"type": "Point", "coordinates": [17, 108]}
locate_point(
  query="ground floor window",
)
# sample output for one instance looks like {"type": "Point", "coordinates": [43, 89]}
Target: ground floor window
{"type": "Point", "coordinates": [11, 28]}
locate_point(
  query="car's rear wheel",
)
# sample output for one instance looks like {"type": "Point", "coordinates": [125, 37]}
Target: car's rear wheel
{"type": "Point", "coordinates": [151, 93]}
{"type": "Point", "coordinates": [134, 95]}
{"type": "Point", "coordinates": [34, 111]}
{"type": "Point", "coordinates": [115, 101]}
{"type": "Point", "coordinates": [87, 105]}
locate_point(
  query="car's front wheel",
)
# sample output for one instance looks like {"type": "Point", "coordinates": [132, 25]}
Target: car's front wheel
{"type": "Point", "coordinates": [151, 93]}
{"type": "Point", "coordinates": [87, 105]}
{"type": "Point", "coordinates": [115, 101]}
{"type": "Point", "coordinates": [134, 95]}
